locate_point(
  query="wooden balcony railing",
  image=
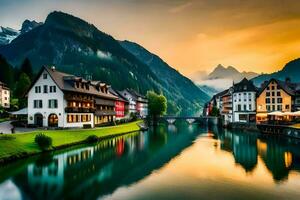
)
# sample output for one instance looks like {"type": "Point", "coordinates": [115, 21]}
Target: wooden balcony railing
{"type": "Point", "coordinates": [79, 110]}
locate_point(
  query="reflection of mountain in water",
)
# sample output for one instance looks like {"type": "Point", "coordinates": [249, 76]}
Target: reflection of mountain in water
{"type": "Point", "coordinates": [280, 155]}
{"type": "Point", "coordinates": [103, 168]}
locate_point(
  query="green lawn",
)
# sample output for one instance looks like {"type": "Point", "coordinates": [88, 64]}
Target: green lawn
{"type": "Point", "coordinates": [24, 143]}
{"type": "Point", "coordinates": [3, 119]}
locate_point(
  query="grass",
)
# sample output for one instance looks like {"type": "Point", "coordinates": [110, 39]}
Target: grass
{"type": "Point", "coordinates": [23, 144]}
{"type": "Point", "coordinates": [4, 119]}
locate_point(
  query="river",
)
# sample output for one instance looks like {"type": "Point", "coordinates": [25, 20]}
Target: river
{"type": "Point", "coordinates": [170, 162]}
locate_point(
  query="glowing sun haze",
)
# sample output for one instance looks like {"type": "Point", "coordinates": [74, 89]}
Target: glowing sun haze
{"type": "Point", "coordinates": [191, 36]}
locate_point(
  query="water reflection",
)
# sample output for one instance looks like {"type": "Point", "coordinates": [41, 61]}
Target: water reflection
{"type": "Point", "coordinates": [280, 154]}
{"type": "Point", "coordinates": [95, 171]}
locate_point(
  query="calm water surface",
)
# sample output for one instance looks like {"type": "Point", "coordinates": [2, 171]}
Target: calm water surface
{"type": "Point", "coordinates": [170, 162]}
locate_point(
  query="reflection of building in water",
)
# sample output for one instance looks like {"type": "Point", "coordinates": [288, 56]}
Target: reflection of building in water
{"type": "Point", "coordinates": [47, 179]}
{"type": "Point", "coordinates": [245, 151]}
{"type": "Point", "coordinates": [279, 157]}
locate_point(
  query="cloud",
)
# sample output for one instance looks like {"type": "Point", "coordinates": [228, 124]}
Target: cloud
{"type": "Point", "coordinates": [181, 7]}
{"type": "Point", "coordinates": [104, 55]}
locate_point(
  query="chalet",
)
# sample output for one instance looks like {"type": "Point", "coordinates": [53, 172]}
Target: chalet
{"type": "Point", "coordinates": [57, 99]}
{"type": "Point", "coordinates": [276, 95]}
{"type": "Point", "coordinates": [4, 95]}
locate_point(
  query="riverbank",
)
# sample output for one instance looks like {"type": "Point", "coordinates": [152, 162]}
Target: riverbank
{"type": "Point", "coordinates": [18, 146]}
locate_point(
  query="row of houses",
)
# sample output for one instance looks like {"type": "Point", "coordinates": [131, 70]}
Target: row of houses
{"type": "Point", "coordinates": [57, 99]}
{"type": "Point", "coordinates": [244, 102]}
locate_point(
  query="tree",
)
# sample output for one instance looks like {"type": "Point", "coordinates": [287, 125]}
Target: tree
{"type": "Point", "coordinates": [215, 112]}
{"type": "Point", "coordinates": [26, 68]}
{"type": "Point", "coordinates": [22, 85]}
{"type": "Point", "coordinates": [157, 104]}
{"type": "Point", "coordinates": [7, 72]}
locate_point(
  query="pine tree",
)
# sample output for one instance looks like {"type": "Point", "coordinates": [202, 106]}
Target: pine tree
{"type": "Point", "coordinates": [7, 72]}
{"type": "Point", "coordinates": [26, 68]}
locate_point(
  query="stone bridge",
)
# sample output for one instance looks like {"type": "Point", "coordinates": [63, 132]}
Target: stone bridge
{"type": "Point", "coordinates": [190, 119]}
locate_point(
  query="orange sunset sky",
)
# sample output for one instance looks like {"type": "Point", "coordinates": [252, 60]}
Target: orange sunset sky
{"type": "Point", "coordinates": [190, 35]}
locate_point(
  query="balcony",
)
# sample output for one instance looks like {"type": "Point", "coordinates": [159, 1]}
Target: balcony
{"type": "Point", "coordinates": [105, 112]}
{"type": "Point", "coordinates": [79, 110]}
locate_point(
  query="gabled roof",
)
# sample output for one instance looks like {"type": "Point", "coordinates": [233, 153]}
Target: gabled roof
{"type": "Point", "coordinates": [287, 87]}
{"type": "Point", "coordinates": [137, 96]}
{"type": "Point", "coordinates": [65, 82]}
{"type": "Point", "coordinates": [244, 86]}
{"type": "Point", "coordinates": [118, 94]}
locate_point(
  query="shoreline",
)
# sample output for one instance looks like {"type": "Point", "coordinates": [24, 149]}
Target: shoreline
{"type": "Point", "coordinates": [100, 133]}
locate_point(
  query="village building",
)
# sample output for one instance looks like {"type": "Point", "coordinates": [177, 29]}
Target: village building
{"type": "Point", "coordinates": [276, 95]}
{"type": "Point", "coordinates": [226, 109]}
{"type": "Point", "coordinates": [57, 99]}
{"type": "Point", "coordinates": [243, 101]}
{"type": "Point", "coordinates": [121, 104]}
{"type": "Point", "coordinates": [137, 102]}
{"type": "Point", "coordinates": [4, 95]}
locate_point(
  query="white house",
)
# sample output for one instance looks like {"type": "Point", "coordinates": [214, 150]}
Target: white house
{"type": "Point", "coordinates": [4, 95]}
{"type": "Point", "coordinates": [244, 101]}
{"type": "Point", "coordinates": [57, 99]}
{"type": "Point", "coordinates": [137, 102]}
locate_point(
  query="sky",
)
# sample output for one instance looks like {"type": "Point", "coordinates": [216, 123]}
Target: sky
{"type": "Point", "coordinates": [190, 35]}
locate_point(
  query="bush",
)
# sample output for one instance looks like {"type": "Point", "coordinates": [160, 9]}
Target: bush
{"type": "Point", "coordinates": [86, 126]}
{"type": "Point", "coordinates": [92, 139]}
{"type": "Point", "coordinates": [133, 117]}
{"type": "Point", "coordinates": [44, 141]}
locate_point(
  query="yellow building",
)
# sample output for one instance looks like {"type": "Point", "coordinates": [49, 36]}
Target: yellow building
{"type": "Point", "coordinates": [275, 95]}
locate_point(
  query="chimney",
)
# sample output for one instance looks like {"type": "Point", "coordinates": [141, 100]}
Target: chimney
{"type": "Point", "coordinates": [53, 68]}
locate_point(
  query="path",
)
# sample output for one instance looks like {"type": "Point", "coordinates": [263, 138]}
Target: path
{"type": "Point", "coordinates": [5, 127]}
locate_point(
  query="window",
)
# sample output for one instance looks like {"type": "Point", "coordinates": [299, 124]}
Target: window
{"type": "Point", "coordinates": [5, 98]}
{"type": "Point", "coordinates": [267, 94]}
{"type": "Point", "coordinates": [279, 100]}
{"type": "Point", "coordinates": [278, 94]}
{"type": "Point", "coordinates": [37, 89]}
{"type": "Point", "coordinates": [245, 107]}
{"type": "Point", "coordinates": [268, 100]}
{"type": "Point", "coordinates": [278, 87]}
{"type": "Point", "coordinates": [273, 93]}
{"type": "Point", "coordinates": [268, 107]}
{"type": "Point", "coordinates": [44, 76]}
{"type": "Point", "coordinates": [273, 107]}
{"type": "Point", "coordinates": [239, 108]}
{"type": "Point", "coordinates": [273, 87]}
{"type": "Point", "coordinates": [37, 103]}
{"type": "Point", "coordinates": [287, 106]}
{"type": "Point", "coordinates": [52, 89]}
{"type": "Point", "coordinates": [85, 118]}
{"type": "Point", "coordinates": [5, 92]}
{"type": "Point", "coordinates": [273, 100]}
{"type": "Point", "coordinates": [268, 88]}
{"type": "Point", "coordinates": [52, 103]}
{"type": "Point", "coordinates": [243, 117]}
{"type": "Point", "coordinates": [279, 107]}
{"type": "Point", "coordinates": [250, 107]}
{"type": "Point", "coordinates": [73, 118]}
{"type": "Point", "coordinates": [45, 88]}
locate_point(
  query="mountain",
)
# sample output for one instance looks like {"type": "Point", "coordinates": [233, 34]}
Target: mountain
{"type": "Point", "coordinates": [77, 47]}
{"type": "Point", "coordinates": [291, 70]}
{"type": "Point", "coordinates": [220, 78]}
{"type": "Point", "coordinates": [7, 35]}
{"type": "Point", "coordinates": [220, 72]}
{"type": "Point", "coordinates": [28, 25]}
{"type": "Point", "coordinates": [181, 89]}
